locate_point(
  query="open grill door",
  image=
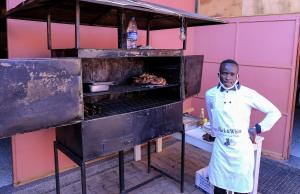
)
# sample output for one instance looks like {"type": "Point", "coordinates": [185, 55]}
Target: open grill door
{"type": "Point", "coordinates": [39, 93]}
{"type": "Point", "coordinates": [192, 75]}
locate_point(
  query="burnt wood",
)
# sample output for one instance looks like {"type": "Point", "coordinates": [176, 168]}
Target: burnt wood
{"type": "Point", "coordinates": [39, 93]}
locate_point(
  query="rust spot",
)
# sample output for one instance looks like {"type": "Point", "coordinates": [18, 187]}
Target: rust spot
{"type": "Point", "coordinates": [46, 84]}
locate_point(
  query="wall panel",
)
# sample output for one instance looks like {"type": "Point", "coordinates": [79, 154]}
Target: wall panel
{"type": "Point", "coordinates": [268, 43]}
{"type": "Point", "coordinates": [266, 49]}
{"type": "Point", "coordinates": [215, 42]}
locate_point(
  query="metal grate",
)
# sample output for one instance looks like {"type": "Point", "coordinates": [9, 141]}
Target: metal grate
{"type": "Point", "coordinates": [114, 107]}
{"type": "Point", "coordinates": [130, 88]}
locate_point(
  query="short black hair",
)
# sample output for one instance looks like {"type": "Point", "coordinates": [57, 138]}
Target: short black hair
{"type": "Point", "coordinates": [231, 61]}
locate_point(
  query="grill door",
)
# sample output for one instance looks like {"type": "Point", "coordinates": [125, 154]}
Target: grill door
{"type": "Point", "coordinates": [192, 75]}
{"type": "Point", "coordinates": [41, 93]}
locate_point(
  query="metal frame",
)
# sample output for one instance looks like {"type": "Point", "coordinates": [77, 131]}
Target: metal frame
{"type": "Point", "coordinates": [76, 22]}
{"type": "Point", "coordinates": [121, 29]}
{"type": "Point", "coordinates": [79, 161]}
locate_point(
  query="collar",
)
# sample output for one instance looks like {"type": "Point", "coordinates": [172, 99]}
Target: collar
{"type": "Point", "coordinates": [238, 86]}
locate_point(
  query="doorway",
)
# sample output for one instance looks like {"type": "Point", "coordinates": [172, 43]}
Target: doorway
{"type": "Point", "coordinates": [295, 144]}
{"type": "Point", "coordinates": [5, 162]}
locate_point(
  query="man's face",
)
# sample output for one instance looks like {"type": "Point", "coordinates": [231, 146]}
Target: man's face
{"type": "Point", "coordinates": [228, 74]}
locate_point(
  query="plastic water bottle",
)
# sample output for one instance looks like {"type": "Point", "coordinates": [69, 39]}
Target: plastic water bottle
{"type": "Point", "coordinates": [132, 34]}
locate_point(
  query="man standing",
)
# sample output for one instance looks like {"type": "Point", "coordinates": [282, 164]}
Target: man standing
{"type": "Point", "coordinates": [229, 106]}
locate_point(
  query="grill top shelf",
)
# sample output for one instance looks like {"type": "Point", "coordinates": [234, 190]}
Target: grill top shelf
{"type": "Point", "coordinates": [114, 53]}
{"type": "Point", "coordinates": [105, 13]}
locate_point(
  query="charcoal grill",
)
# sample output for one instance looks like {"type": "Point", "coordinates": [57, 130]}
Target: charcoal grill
{"type": "Point", "coordinates": [91, 125]}
{"type": "Point", "coordinates": [129, 114]}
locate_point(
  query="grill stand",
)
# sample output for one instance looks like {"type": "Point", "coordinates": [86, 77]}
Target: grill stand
{"type": "Point", "coordinates": [79, 161]}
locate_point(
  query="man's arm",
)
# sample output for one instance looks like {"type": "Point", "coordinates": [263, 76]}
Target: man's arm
{"type": "Point", "coordinates": [272, 113]}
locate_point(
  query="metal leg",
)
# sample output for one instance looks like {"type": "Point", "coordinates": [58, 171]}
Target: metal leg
{"type": "Point", "coordinates": [56, 168]}
{"type": "Point", "coordinates": [182, 161]}
{"type": "Point", "coordinates": [149, 156]}
{"type": "Point", "coordinates": [83, 178]}
{"type": "Point", "coordinates": [121, 171]}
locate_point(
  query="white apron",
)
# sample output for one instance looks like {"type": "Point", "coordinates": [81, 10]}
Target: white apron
{"type": "Point", "coordinates": [232, 161]}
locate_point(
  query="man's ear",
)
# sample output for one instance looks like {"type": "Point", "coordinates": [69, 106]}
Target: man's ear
{"type": "Point", "coordinates": [218, 74]}
{"type": "Point", "coordinates": [237, 76]}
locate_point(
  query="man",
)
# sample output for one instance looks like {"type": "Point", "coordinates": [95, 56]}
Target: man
{"type": "Point", "coordinates": [229, 106]}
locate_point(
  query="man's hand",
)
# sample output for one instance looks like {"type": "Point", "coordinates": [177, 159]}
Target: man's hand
{"type": "Point", "coordinates": [252, 133]}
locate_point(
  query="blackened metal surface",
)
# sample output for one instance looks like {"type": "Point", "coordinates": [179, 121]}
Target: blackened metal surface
{"type": "Point", "coordinates": [166, 67]}
{"type": "Point", "coordinates": [3, 30]}
{"type": "Point", "coordinates": [129, 88]}
{"type": "Point", "coordinates": [3, 38]}
{"type": "Point", "coordinates": [39, 93]}
{"type": "Point", "coordinates": [192, 75]}
{"type": "Point", "coordinates": [120, 132]}
{"type": "Point", "coordinates": [71, 137]}
{"type": "Point", "coordinates": [118, 70]}
{"type": "Point", "coordinates": [105, 13]}
{"type": "Point", "coordinates": [101, 136]}
{"type": "Point", "coordinates": [113, 53]}
{"type": "Point", "coordinates": [119, 106]}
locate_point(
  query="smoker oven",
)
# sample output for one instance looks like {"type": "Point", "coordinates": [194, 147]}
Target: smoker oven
{"type": "Point", "coordinates": [45, 93]}
{"type": "Point", "coordinates": [130, 114]}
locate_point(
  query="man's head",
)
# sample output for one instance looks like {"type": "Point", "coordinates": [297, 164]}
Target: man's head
{"type": "Point", "coordinates": [228, 72]}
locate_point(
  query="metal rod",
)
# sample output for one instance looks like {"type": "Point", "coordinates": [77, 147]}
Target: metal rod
{"type": "Point", "coordinates": [165, 174]}
{"type": "Point", "coordinates": [196, 6]}
{"type": "Point", "coordinates": [73, 156]}
{"type": "Point", "coordinates": [185, 32]}
{"type": "Point", "coordinates": [49, 30]}
{"type": "Point", "coordinates": [121, 29]}
{"type": "Point", "coordinates": [148, 33]}
{"type": "Point", "coordinates": [77, 26]}
{"type": "Point", "coordinates": [56, 168]}
{"type": "Point", "coordinates": [83, 178]}
{"type": "Point", "coordinates": [149, 156]}
{"type": "Point", "coordinates": [182, 161]}
{"type": "Point", "coordinates": [121, 171]}
{"type": "Point", "coordinates": [143, 183]}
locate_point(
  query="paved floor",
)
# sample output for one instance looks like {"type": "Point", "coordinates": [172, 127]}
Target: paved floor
{"type": "Point", "coordinates": [275, 177]}
{"type": "Point", "coordinates": [103, 175]}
